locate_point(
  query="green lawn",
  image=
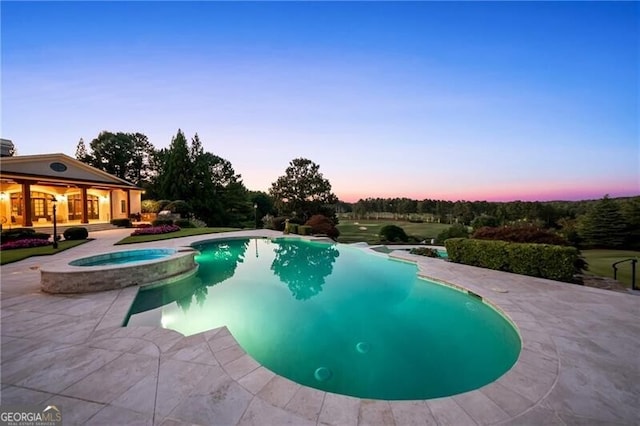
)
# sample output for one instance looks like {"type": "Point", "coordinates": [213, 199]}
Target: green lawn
{"type": "Point", "coordinates": [186, 232]}
{"type": "Point", "coordinates": [600, 264]}
{"type": "Point", "coordinates": [9, 256]}
{"type": "Point", "coordinates": [350, 231]}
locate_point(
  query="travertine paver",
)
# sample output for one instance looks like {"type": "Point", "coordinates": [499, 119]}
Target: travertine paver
{"type": "Point", "coordinates": [579, 362]}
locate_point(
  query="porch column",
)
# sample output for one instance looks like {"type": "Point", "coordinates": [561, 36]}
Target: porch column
{"type": "Point", "coordinates": [26, 204]}
{"type": "Point", "coordinates": [85, 211]}
{"type": "Point", "coordinates": [111, 213]}
{"type": "Point", "coordinates": [128, 203]}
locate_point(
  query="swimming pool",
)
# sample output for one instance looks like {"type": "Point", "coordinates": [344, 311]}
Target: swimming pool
{"type": "Point", "coordinates": [120, 257]}
{"type": "Point", "coordinates": [338, 318]}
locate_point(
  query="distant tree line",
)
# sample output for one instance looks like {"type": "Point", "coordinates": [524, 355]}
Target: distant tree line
{"type": "Point", "coordinates": [213, 192]}
{"type": "Point", "coordinates": [606, 223]}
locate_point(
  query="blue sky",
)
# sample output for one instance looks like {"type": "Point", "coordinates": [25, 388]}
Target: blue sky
{"type": "Point", "coordinates": [459, 100]}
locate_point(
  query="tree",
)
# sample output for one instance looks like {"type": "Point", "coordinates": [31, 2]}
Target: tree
{"type": "Point", "coordinates": [125, 155]}
{"type": "Point", "coordinates": [631, 213]}
{"type": "Point", "coordinates": [214, 190]}
{"type": "Point", "coordinates": [303, 267]}
{"type": "Point", "coordinates": [111, 152]}
{"type": "Point", "coordinates": [81, 152]}
{"type": "Point", "coordinates": [603, 225]}
{"type": "Point", "coordinates": [484, 220]}
{"type": "Point", "coordinates": [176, 178]}
{"type": "Point", "coordinates": [303, 190]}
{"type": "Point", "coordinates": [140, 170]}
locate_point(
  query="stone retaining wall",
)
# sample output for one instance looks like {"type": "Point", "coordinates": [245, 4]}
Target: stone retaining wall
{"type": "Point", "coordinates": [84, 279]}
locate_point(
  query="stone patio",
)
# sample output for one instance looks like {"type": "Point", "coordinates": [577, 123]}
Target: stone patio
{"type": "Point", "coordinates": [580, 362]}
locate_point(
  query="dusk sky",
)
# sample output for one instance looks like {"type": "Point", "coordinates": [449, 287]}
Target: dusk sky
{"type": "Point", "coordinates": [460, 100]}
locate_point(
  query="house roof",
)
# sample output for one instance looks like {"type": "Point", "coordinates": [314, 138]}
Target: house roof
{"type": "Point", "coordinates": [57, 168]}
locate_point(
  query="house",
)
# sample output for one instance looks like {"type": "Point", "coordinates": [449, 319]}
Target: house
{"type": "Point", "coordinates": [30, 185]}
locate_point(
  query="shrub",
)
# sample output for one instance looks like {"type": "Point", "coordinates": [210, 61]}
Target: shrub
{"type": "Point", "coordinates": [537, 260]}
{"type": "Point", "coordinates": [304, 230]}
{"type": "Point", "coordinates": [24, 243]}
{"type": "Point", "coordinates": [320, 224]}
{"type": "Point", "coordinates": [276, 223]}
{"type": "Point", "coordinates": [425, 251]}
{"type": "Point", "coordinates": [161, 222]}
{"type": "Point", "coordinates": [197, 223]}
{"type": "Point", "coordinates": [184, 223]}
{"type": "Point", "coordinates": [520, 234]}
{"type": "Point", "coordinates": [393, 233]}
{"type": "Point", "coordinates": [76, 233]}
{"type": "Point", "coordinates": [454, 231]}
{"type": "Point", "coordinates": [484, 220]}
{"type": "Point", "coordinates": [41, 236]}
{"type": "Point", "coordinates": [124, 223]}
{"type": "Point", "coordinates": [154, 230]}
{"type": "Point", "coordinates": [290, 228]}
{"type": "Point", "coordinates": [17, 234]}
{"type": "Point", "coordinates": [150, 206]}
{"type": "Point", "coordinates": [179, 207]}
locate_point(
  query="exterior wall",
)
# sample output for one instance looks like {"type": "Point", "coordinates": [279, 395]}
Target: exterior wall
{"type": "Point", "coordinates": [117, 197]}
{"type": "Point", "coordinates": [136, 201]}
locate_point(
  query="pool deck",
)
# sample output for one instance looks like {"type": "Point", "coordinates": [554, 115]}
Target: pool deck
{"type": "Point", "coordinates": [580, 362]}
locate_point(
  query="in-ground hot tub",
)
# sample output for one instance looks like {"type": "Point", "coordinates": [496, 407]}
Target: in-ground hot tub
{"type": "Point", "coordinates": [114, 270]}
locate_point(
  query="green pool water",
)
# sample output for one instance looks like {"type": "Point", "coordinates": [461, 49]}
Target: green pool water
{"type": "Point", "coordinates": [337, 318]}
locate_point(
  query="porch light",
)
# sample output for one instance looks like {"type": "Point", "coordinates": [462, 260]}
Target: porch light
{"type": "Point", "coordinates": [255, 219]}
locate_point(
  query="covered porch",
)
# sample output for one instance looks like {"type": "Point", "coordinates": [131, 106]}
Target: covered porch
{"type": "Point", "coordinates": [84, 195]}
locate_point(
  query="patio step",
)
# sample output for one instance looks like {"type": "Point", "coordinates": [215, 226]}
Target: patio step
{"type": "Point", "coordinates": [91, 227]}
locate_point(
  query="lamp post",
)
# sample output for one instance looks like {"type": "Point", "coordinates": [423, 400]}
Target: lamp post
{"type": "Point", "coordinates": [55, 224]}
{"type": "Point", "coordinates": [255, 215]}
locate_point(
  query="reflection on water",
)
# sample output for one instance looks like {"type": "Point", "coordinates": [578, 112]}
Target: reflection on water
{"type": "Point", "coordinates": [346, 322]}
{"type": "Point", "coordinates": [217, 263]}
{"type": "Point", "coordinates": [303, 266]}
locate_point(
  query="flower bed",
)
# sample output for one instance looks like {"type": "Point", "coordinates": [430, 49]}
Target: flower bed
{"type": "Point", "coordinates": [24, 243]}
{"type": "Point", "coordinates": [154, 230]}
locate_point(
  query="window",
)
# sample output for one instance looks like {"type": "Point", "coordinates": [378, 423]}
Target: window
{"type": "Point", "coordinates": [123, 206]}
{"type": "Point", "coordinates": [16, 204]}
{"type": "Point", "coordinates": [74, 203]}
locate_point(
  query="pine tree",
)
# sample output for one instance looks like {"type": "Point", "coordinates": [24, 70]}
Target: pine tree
{"type": "Point", "coordinates": [175, 182]}
{"type": "Point", "coordinates": [603, 225]}
{"type": "Point", "coordinates": [81, 152]}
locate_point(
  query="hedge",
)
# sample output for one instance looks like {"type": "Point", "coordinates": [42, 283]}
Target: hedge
{"type": "Point", "coordinates": [75, 233]}
{"type": "Point", "coordinates": [520, 234]}
{"type": "Point", "coordinates": [16, 234]}
{"type": "Point", "coordinates": [125, 223]}
{"type": "Point", "coordinates": [291, 228]}
{"type": "Point", "coordinates": [536, 260]}
{"type": "Point", "coordinates": [304, 230]}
